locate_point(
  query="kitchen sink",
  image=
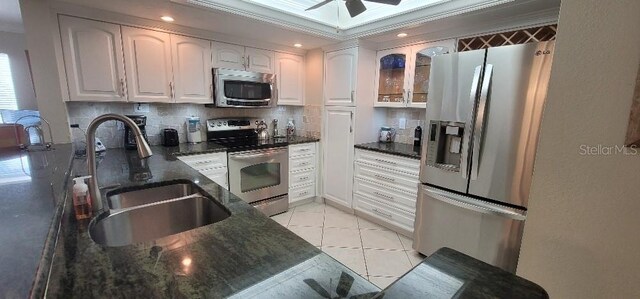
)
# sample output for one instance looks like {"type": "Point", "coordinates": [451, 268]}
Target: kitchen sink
{"type": "Point", "coordinates": [156, 220]}
{"type": "Point", "coordinates": [118, 199]}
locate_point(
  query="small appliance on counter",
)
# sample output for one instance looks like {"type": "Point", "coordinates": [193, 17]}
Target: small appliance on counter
{"type": "Point", "coordinates": [262, 130]}
{"type": "Point", "coordinates": [170, 137]}
{"type": "Point", "coordinates": [291, 128]}
{"type": "Point", "coordinates": [193, 130]}
{"type": "Point", "coordinates": [129, 138]}
{"type": "Point", "coordinates": [387, 134]}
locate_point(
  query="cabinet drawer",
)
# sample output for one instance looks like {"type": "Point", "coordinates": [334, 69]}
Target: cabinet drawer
{"type": "Point", "coordinates": [302, 149]}
{"type": "Point", "coordinates": [399, 180]}
{"type": "Point", "coordinates": [384, 212]}
{"type": "Point", "coordinates": [391, 162]}
{"type": "Point", "coordinates": [303, 177]}
{"type": "Point", "coordinates": [302, 192]}
{"type": "Point", "coordinates": [205, 161]}
{"type": "Point", "coordinates": [302, 162]}
{"type": "Point", "coordinates": [395, 198]}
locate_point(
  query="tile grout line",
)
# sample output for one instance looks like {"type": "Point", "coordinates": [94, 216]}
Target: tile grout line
{"type": "Point", "coordinates": [364, 257]}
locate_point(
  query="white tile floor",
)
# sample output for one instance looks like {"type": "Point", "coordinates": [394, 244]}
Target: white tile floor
{"type": "Point", "coordinates": [374, 252]}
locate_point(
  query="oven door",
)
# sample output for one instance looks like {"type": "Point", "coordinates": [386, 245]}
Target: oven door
{"type": "Point", "coordinates": [260, 174]}
{"type": "Point", "coordinates": [243, 89]}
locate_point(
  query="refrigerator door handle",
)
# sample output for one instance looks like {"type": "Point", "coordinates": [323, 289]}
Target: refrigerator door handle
{"type": "Point", "coordinates": [480, 116]}
{"type": "Point", "coordinates": [480, 208]}
{"type": "Point", "coordinates": [464, 163]}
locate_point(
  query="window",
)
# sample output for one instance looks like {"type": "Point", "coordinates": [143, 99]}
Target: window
{"type": "Point", "coordinates": [7, 93]}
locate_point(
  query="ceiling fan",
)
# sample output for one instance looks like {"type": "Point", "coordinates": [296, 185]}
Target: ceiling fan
{"type": "Point", "coordinates": [355, 7]}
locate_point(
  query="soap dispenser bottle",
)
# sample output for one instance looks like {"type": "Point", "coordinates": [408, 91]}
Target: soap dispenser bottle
{"type": "Point", "coordinates": [81, 198]}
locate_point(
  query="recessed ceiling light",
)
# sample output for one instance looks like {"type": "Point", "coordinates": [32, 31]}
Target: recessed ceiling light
{"type": "Point", "coordinates": [402, 34]}
{"type": "Point", "coordinates": [297, 45]}
{"type": "Point", "coordinates": [167, 18]}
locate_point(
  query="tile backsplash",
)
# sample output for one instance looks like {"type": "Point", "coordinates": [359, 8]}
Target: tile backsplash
{"type": "Point", "coordinates": [160, 116]}
{"type": "Point", "coordinates": [415, 117]}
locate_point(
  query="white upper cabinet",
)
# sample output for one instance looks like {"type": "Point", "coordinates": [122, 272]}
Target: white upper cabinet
{"type": "Point", "coordinates": [392, 77]}
{"type": "Point", "coordinates": [242, 58]}
{"type": "Point", "coordinates": [93, 60]}
{"type": "Point", "coordinates": [147, 57]}
{"type": "Point", "coordinates": [402, 74]}
{"type": "Point", "coordinates": [191, 61]}
{"type": "Point", "coordinates": [228, 56]}
{"type": "Point", "coordinates": [340, 77]}
{"type": "Point", "coordinates": [260, 60]}
{"type": "Point", "coordinates": [289, 70]}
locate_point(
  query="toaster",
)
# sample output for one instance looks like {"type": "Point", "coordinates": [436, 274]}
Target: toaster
{"type": "Point", "coordinates": [170, 137]}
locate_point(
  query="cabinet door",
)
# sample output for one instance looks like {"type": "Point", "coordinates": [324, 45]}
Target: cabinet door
{"type": "Point", "coordinates": [228, 56]}
{"type": "Point", "coordinates": [290, 79]}
{"type": "Point", "coordinates": [191, 60]}
{"type": "Point", "coordinates": [392, 77]}
{"type": "Point", "coordinates": [340, 77]}
{"type": "Point", "coordinates": [147, 60]}
{"type": "Point", "coordinates": [260, 60]}
{"type": "Point", "coordinates": [338, 154]}
{"type": "Point", "coordinates": [420, 70]}
{"type": "Point", "coordinates": [93, 60]}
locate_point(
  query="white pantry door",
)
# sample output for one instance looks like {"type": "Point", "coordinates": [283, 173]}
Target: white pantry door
{"type": "Point", "coordinates": [338, 155]}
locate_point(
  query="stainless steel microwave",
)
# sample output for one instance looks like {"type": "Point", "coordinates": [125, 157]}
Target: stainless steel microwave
{"type": "Point", "coordinates": [242, 89]}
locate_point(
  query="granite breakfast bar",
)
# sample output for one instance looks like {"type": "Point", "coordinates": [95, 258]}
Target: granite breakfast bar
{"type": "Point", "coordinates": [245, 255]}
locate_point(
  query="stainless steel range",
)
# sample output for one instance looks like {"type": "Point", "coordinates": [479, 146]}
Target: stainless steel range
{"type": "Point", "coordinates": [258, 171]}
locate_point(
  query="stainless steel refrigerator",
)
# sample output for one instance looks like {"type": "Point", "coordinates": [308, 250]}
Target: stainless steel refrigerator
{"type": "Point", "coordinates": [483, 116]}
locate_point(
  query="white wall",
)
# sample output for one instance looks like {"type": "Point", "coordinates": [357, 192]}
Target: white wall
{"type": "Point", "coordinates": [14, 45]}
{"type": "Point", "coordinates": [314, 68]}
{"type": "Point", "coordinates": [40, 30]}
{"type": "Point", "coordinates": [581, 239]}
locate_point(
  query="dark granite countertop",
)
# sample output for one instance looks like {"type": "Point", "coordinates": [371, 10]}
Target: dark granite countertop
{"type": "Point", "coordinates": [210, 147]}
{"type": "Point", "coordinates": [450, 274]}
{"type": "Point", "coordinates": [245, 255]}
{"type": "Point", "coordinates": [393, 148]}
{"type": "Point", "coordinates": [31, 186]}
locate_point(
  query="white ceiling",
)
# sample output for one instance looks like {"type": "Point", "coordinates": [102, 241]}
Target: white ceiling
{"type": "Point", "coordinates": [245, 22]}
{"type": "Point", "coordinates": [10, 17]}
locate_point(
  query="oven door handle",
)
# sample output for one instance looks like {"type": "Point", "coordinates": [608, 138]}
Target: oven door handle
{"type": "Point", "coordinates": [256, 155]}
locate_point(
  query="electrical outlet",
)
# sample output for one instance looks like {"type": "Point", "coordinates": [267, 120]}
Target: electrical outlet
{"type": "Point", "coordinates": [141, 108]}
{"type": "Point", "coordinates": [282, 108]}
{"type": "Point", "coordinates": [402, 123]}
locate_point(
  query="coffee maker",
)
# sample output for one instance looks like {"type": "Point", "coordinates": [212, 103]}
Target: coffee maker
{"type": "Point", "coordinates": [129, 138]}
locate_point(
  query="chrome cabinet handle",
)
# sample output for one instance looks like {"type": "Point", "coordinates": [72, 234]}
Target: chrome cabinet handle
{"type": "Point", "coordinates": [383, 195]}
{"type": "Point", "coordinates": [304, 178]}
{"type": "Point", "coordinates": [211, 89]}
{"type": "Point", "coordinates": [382, 213]}
{"type": "Point", "coordinates": [409, 95]}
{"type": "Point", "coordinates": [248, 61]}
{"type": "Point", "coordinates": [122, 93]}
{"type": "Point", "coordinates": [352, 95]}
{"type": "Point", "coordinates": [385, 161]}
{"type": "Point", "coordinates": [172, 90]}
{"type": "Point", "coordinates": [385, 178]}
{"type": "Point", "coordinates": [303, 193]}
{"type": "Point", "coordinates": [303, 150]}
{"type": "Point", "coordinates": [482, 111]}
{"type": "Point", "coordinates": [303, 163]}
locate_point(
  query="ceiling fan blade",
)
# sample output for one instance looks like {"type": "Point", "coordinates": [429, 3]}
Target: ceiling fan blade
{"type": "Point", "coordinates": [323, 3]}
{"type": "Point", "coordinates": [317, 287]}
{"type": "Point", "coordinates": [355, 7]}
{"type": "Point", "coordinates": [390, 2]}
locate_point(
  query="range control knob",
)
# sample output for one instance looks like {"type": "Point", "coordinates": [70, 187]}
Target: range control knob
{"type": "Point", "coordinates": [219, 124]}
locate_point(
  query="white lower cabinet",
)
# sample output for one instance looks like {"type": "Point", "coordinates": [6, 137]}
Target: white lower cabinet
{"type": "Point", "coordinates": [302, 171]}
{"type": "Point", "coordinates": [386, 188]}
{"type": "Point", "coordinates": [213, 166]}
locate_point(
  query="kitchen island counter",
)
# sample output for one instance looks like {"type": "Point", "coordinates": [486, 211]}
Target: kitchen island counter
{"type": "Point", "coordinates": [245, 255]}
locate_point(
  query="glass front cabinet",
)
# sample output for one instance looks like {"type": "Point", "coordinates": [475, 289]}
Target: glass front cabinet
{"type": "Point", "coordinates": [402, 77]}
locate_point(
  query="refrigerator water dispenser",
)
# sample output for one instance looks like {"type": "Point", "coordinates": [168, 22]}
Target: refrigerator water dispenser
{"type": "Point", "coordinates": [444, 146]}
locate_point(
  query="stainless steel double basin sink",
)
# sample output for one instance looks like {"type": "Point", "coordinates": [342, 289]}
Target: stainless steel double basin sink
{"type": "Point", "coordinates": [152, 212]}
